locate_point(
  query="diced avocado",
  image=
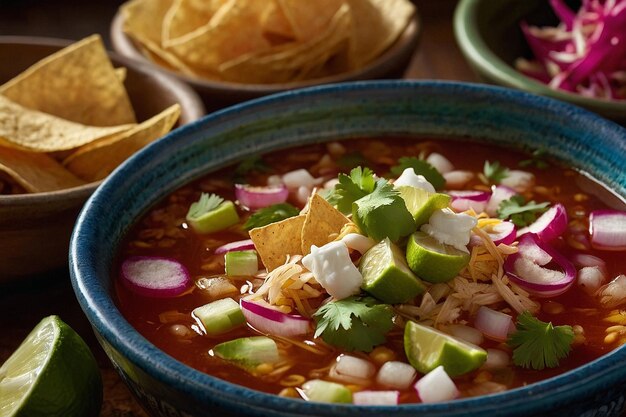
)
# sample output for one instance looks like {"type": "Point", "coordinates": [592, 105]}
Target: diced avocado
{"type": "Point", "coordinates": [326, 392]}
{"type": "Point", "coordinates": [248, 352]}
{"type": "Point", "coordinates": [241, 263]}
{"type": "Point", "coordinates": [220, 316]}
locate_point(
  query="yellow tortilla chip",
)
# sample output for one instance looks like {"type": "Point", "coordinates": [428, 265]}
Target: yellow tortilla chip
{"type": "Point", "coordinates": [36, 172]}
{"type": "Point", "coordinates": [96, 160]}
{"type": "Point", "coordinates": [275, 23]}
{"type": "Point", "coordinates": [277, 241]}
{"type": "Point", "coordinates": [36, 131]}
{"type": "Point", "coordinates": [77, 83]}
{"type": "Point", "coordinates": [309, 19]}
{"type": "Point", "coordinates": [322, 220]}
{"type": "Point", "coordinates": [120, 73]}
{"type": "Point", "coordinates": [187, 16]}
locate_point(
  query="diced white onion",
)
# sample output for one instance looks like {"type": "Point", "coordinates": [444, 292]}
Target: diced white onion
{"type": "Point", "coordinates": [302, 195]}
{"type": "Point", "coordinates": [520, 181]}
{"type": "Point", "coordinates": [496, 359]}
{"type": "Point", "coordinates": [493, 324]}
{"type": "Point", "coordinates": [396, 374]}
{"type": "Point", "coordinates": [457, 179]}
{"type": "Point", "coordinates": [436, 386]}
{"type": "Point", "coordinates": [358, 242]}
{"type": "Point", "coordinates": [467, 333]}
{"type": "Point", "coordinates": [440, 162]}
{"type": "Point", "coordinates": [613, 294]}
{"type": "Point", "coordinates": [376, 397]}
{"type": "Point", "coordinates": [590, 278]}
{"type": "Point", "coordinates": [298, 178]}
{"type": "Point", "coordinates": [352, 370]}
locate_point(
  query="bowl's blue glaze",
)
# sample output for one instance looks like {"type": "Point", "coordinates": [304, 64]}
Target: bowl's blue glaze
{"type": "Point", "coordinates": [511, 118]}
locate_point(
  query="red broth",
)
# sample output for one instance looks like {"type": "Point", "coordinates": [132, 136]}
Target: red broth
{"type": "Point", "coordinates": [168, 323]}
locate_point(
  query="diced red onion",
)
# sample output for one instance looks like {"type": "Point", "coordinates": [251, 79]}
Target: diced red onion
{"type": "Point", "coordinates": [298, 178]}
{"type": "Point", "coordinates": [358, 242]}
{"type": "Point", "coordinates": [542, 282]}
{"type": "Point", "coordinates": [495, 325]}
{"type": "Point", "coordinates": [259, 197]}
{"type": "Point", "coordinates": [457, 179]}
{"type": "Point", "coordinates": [440, 162]}
{"type": "Point", "coordinates": [465, 200]}
{"type": "Point", "coordinates": [608, 229]}
{"type": "Point", "coordinates": [376, 397]}
{"type": "Point", "coordinates": [466, 333]}
{"type": "Point", "coordinates": [496, 359]}
{"type": "Point", "coordinates": [590, 278]}
{"type": "Point", "coordinates": [352, 370]}
{"type": "Point", "coordinates": [499, 193]}
{"type": "Point", "coordinates": [396, 374]}
{"type": "Point", "coordinates": [520, 181]}
{"type": "Point", "coordinates": [155, 276]}
{"type": "Point", "coordinates": [549, 225]}
{"type": "Point", "coordinates": [271, 321]}
{"type": "Point", "coordinates": [503, 232]}
{"type": "Point", "coordinates": [436, 386]}
{"type": "Point", "coordinates": [235, 246]}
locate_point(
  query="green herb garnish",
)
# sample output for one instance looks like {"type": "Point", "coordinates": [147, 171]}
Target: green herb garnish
{"type": "Point", "coordinates": [354, 323]}
{"type": "Point", "coordinates": [270, 214]}
{"type": "Point", "coordinates": [351, 187]}
{"type": "Point", "coordinates": [519, 212]}
{"type": "Point", "coordinates": [538, 344]}
{"type": "Point", "coordinates": [494, 173]}
{"type": "Point", "coordinates": [206, 203]}
{"type": "Point", "coordinates": [421, 167]}
{"type": "Point", "coordinates": [537, 160]}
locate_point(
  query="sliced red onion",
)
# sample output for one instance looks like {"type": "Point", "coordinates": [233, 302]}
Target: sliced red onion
{"type": "Point", "coordinates": [155, 276]}
{"type": "Point", "coordinates": [499, 193]}
{"type": "Point", "coordinates": [457, 179]}
{"type": "Point", "coordinates": [396, 374]}
{"type": "Point", "coordinates": [495, 325]}
{"type": "Point", "coordinates": [535, 279]}
{"type": "Point", "coordinates": [608, 229]}
{"type": "Point", "coordinates": [259, 197]}
{"type": "Point", "coordinates": [549, 225]}
{"type": "Point", "coordinates": [271, 321]}
{"type": "Point", "coordinates": [436, 386]}
{"type": "Point", "coordinates": [465, 200]}
{"type": "Point", "coordinates": [376, 397]}
{"type": "Point", "coordinates": [440, 163]}
{"type": "Point", "coordinates": [503, 233]}
{"type": "Point", "coordinates": [235, 246]}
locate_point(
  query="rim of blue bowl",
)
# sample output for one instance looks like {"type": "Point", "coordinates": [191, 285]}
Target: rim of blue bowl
{"type": "Point", "coordinates": [107, 321]}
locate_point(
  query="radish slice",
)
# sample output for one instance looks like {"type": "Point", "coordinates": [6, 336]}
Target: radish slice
{"type": "Point", "coordinates": [549, 225]}
{"type": "Point", "coordinates": [436, 386]}
{"type": "Point", "coordinates": [154, 276]}
{"type": "Point", "coordinates": [465, 200]}
{"type": "Point", "coordinates": [235, 246]}
{"type": "Point", "coordinates": [376, 397]}
{"type": "Point", "coordinates": [499, 193]}
{"type": "Point", "coordinates": [495, 325]}
{"type": "Point", "coordinates": [271, 321]}
{"type": "Point", "coordinates": [608, 229]}
{"type": "Point", "coordinates": [524, 270]}
{"type": "Point", "coordinates": [259, 197]}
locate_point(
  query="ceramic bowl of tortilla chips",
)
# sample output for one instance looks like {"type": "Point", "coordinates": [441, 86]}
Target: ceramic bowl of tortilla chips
{"type": "Point", "coordinates": [68, 116]}
{"type": "Point", "coordinates": [234, 51]}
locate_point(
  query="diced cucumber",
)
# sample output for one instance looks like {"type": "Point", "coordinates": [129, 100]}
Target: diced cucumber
{"type": "Point", "coordinates": [222, 217]}
{"type": "Point", "coordinates": [220, 316]}
{"type": "Point", "coordinates": [326, 392]}
{"type": "Point", "coordinates": [241, 263]}
{"type": "Point", "coordinates": [248, 352]}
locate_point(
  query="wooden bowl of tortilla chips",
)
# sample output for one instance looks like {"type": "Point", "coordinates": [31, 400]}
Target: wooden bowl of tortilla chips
{"type": "Point", "coordinates": [69, 114]}
{"type": "Point", "coordinates": [231, 51]}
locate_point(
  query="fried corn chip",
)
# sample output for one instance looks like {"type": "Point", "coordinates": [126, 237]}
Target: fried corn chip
{"type": "Point", "coordinates": [277, 241]}
{"type": "Point", "coordinates": [309, 18]}
{"type": "Point", "coordinates": [321, 222]}
{"type": "Point", "coordinates": [77, 83]}
{"type": "Point", "coordinates": [96, 160]}
{"type": "Point", "coordinates": [184, 17]}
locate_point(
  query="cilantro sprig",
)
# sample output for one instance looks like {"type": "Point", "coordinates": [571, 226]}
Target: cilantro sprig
{"type": "Point", "coordinates": [421, 167]}
{"type": "Point", "coordinates": [494, 173]}
{"type": "Point", "coordinates": [206, 204]}
{"type": "Point", "coordinates": [350, 188]}
{"type": "Point", "coordinates": [537, 159]}
{"type": "Point", "coordinates": [537, 344]}
{"type": "Point", "coordinates": [519, 211]}
{"type": "Point", "coordinates": [354, 323]}
{"type": "Point", "coordinates": [270, 214]}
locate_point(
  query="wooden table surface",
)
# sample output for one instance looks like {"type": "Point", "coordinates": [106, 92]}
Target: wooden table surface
{"type": "Point", "coordinates": [24, 304]}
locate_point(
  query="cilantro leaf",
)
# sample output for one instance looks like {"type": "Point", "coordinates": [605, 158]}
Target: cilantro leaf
{"type": "Point", "coordinates": [351, 187]}
{"type": "Point", "coordinates": [421, 167]}
{"type": "Point", "coordinates": [250, 165]}
{"type": "Point", "coordinates": [383, 213]}
{"type": "Point", "coordinates": [538, 344]}
{"type": "Point", "coordinates": [537, 159]}
{"type": "Point", "coordinates": [270, 214]}
{"type": "Point", "coordinates": [494, 172]}
{"type": "Point", "coordinates": [519, 212]}
{"type": "Point", "coordinates": [206, 203]}
{"type": "Point", "coordinates": [354, 323]}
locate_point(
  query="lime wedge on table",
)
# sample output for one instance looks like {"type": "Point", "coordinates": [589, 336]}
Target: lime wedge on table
{"type": "Point", "coordinates": [427, 348]}
{"type": "Point", "coordinates": [432, 260]}
{"type": "Point", "coordinates": [52, 373]}
{"type": "Point", "coordinates": [387, 276]}
{"type": "Point", "coordinates": [422, 204]}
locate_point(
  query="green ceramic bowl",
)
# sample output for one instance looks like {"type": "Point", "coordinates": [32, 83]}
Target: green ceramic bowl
{"type": "Point", "coordinates": [490, 38]}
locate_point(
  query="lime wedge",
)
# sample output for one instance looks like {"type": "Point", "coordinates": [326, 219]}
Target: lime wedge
{"type": "Point", "coordinates": [427, 348]}
{"type": "Point", "coordinates": [433, 261]}
{"type": "Point", "coordinates": [52, 373]}
{"type": "Point", "coordinates": [422, 204]}
{"type": "Point", "coordinates": [387, 276]}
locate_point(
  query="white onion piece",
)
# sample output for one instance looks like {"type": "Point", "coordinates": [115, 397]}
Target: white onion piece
{"type": "Point", "coordinates": [499, 193]}
{"type": "Point", "coordinates": [235, 246]}
{"type": "Point", "coordinates": [496, 359]}
{"type": "Point", "coordinates": [520, 181]}
{"type": "Point", "coordinates": [153, 276]}
{"type": "Point", "coordinates": [396, 374]}
{"type": "Point", "coordinates": [358, 242]}
{"type": "Point", "coordinates": [590, 278]}
{"type": "Point", "coordinates": [613, 294]}
{"type": "Point", "coordinates": [271, 321]}
{"type": "Point", "coordinates": [302, 195]}
{"type": "Point", "coordinates": [467, 333]}
{"type": "Point", "coordinates": [549, 225]}
{"type": "Point", "coordinates": [465, 200]}
{"type": "Point", "coordinates": [495, 325]}
{"type": "Point", "coordinates": [336, 149]}
{"type": "Point", "coordinates": [376, 397]}
{"type": "Point", "coordinates": [274, 180]}
{"type": "Point", "coordinates": [440, 162]}
{"type": "Point", "coordinates": [584, 259]}
{"type": "Point", "coordinates": [298, 178]}
{"type": "Point", "coordinates": [436, 386]}
{"type": "Point", "coordinates": [457, 179]}
{"type": "Point", "coordinates": [354, 367]}
{"type": "Point", "coordinates": [258, 197]}
{"type": "Point", "coordinates": [608, 229]}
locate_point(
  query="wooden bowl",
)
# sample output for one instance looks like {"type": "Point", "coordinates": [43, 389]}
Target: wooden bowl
{"type": "Point", "coordinates": [216, 94]}
{"type": "Point", "coordinates": [35, 228]}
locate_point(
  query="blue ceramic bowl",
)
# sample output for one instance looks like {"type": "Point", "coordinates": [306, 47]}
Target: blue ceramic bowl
{"type": "Point", "coordinates": [512, 118]}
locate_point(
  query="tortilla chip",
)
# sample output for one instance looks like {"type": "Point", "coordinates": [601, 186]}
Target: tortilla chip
{"type": "Point", "coordinates": [309, 19]}
{"type": "Point", "coordinates": [277, 241]}
{"type": "Point", "coordinates": [187, 16]}
{"type": "Point", "coordinates": [275, 23]}
{"type": "Point", "coordinates": [120, 73]}
{"type": "Point", "coordinates": [143, 19]}
{"type": "Point", "coordinates": [36, 172]}
{"type": "Point", "coordinates": [322, 220]}
{"type": "Point", "coordinates": [77, 83]}
{"type": "Point", "coordinates": [32, 130]}
{"type": "Point", "coordinates": [96, 160]}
